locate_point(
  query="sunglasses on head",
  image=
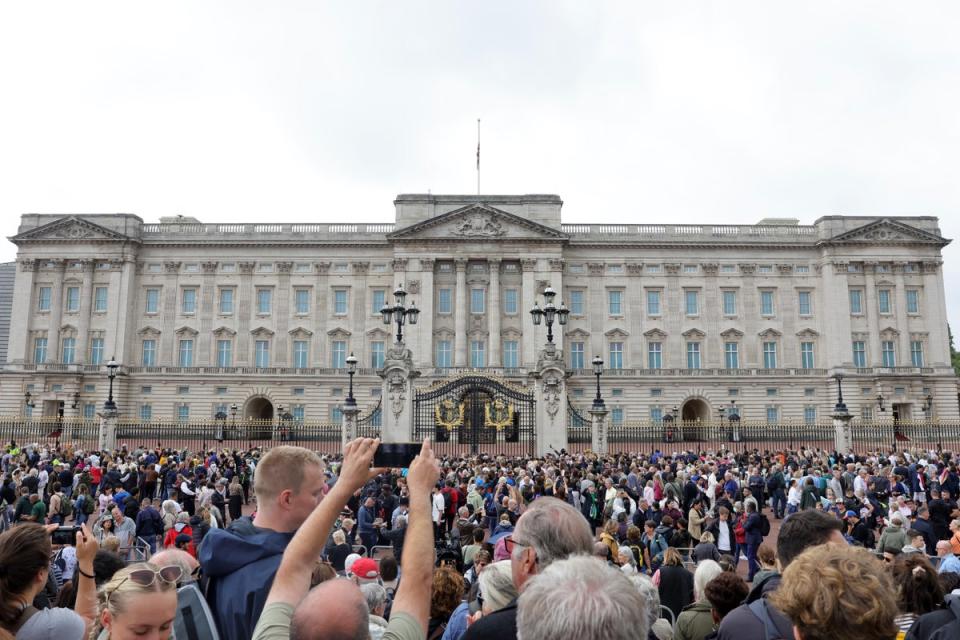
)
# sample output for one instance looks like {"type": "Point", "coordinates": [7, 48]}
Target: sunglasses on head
{"type": "Point", "coordinates": [148, 575]}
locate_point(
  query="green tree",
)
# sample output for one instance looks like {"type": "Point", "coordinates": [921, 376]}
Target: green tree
{"type": "Point", "coordinates": [954, 355]}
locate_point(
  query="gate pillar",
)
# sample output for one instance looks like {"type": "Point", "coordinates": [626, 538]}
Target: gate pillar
{"type": "Point", "coordinates": [398, 374]}
{"type": "Point", "coordinates": [348, 430]}
{"type": "Point", "coordinates": [550, 387]}
{"type": "Point", "coordinates": [598, 438]}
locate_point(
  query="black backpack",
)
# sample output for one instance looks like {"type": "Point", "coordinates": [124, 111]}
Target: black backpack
{"type": "Point", "coordinates": [764, 525]}
{"type": "Point", "coordinates": [761, 609]}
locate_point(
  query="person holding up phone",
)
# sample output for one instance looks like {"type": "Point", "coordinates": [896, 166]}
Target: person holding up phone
{"type": "Point", "coordinates": [24, 564]}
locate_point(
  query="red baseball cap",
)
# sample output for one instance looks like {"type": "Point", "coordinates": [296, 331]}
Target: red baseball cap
{"type": "Point", "coordinates": [365, 568]}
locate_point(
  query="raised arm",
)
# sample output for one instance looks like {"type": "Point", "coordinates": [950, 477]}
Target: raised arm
{"type": "Point", "coordinates": [292, 581]}
{"type": "Point", "coordinates": [413, 595]}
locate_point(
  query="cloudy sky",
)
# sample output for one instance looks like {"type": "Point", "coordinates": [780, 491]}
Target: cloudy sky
{"type": "Point", "coordinates": [635, 111]}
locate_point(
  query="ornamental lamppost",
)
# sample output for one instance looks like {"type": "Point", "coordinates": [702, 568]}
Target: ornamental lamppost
{"type": "Point", "coordinates": [840, 407]}
{"type": "Point", "coordinates": [598, 404]}
{"type": "Point", "coordinates": [351, 402]}
{"type": "Point", "coordinates": [110, 407]}
{"type": "Point", "coordinates": [549, 312]}
{"type": "Point", "coordinates": [399, 313]}
{"type": "Point", "coordinates": [880, 401]}
{"type": "Point", "coordinates": [843, 438]}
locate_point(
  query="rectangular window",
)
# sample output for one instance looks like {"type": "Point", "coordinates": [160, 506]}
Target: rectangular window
{"type": "Point", "coordinates": [340, 302]}
{"type": "Point", "coordinates": [806, 355]}
{"type": "Point", "coordinates": [804, 304]}
{"type": "Point", "coordinates": [336, 413]}
{"type": "Point", "coordinates": [693, 355]}
{"type": "Point", "coordinates": [89, 411]}
{"type": "Point", "coordinates": [883, 300]}
{"type": "Point", "coordinates": [299, 391]}
{"type": "Point", "coordinates": [301, 354]}
{"type": "Point", "coordinates": [691, 303]}
{"type": "Point", "coordinates": [444, 304]}
{"type": "Point", "coordinates": [96, 350]}
{"type": "Point", "coordinates": [183, 390]}
{"type": "Point", "coordinates": [913, 301]}
{"type": "Point", "coordinates": [146, 412]}
{"type": "Point", "coordinates": [656, 415]}
{"type": "Point", "coordinates": [477, 354]}
{"type": "Point", "coordinates": [616, 416]}
{"type": "Point", "coordinates": [376, 354]}
{"type": "Point", "coordinates": [576, 302]}
{"type": "Point", "coordinates": [224, 353]}
{"type": "Point", "coordinates": [183, 412]}
{"type": "Point", "coordinates": [264, 300]}
{"type": "Point", "coordinates": [769, 355]}
{"type": "Point", "coordinates": [616, 355]}
{"type": "Point", "coordinates": [338, 354]}
{"type": "Point", "coordinates": [916, 353]}
{"type": "Point", "coordinates": [301, 301]}
{"type": "Point", "coordinates": [510, 301]}
{"type": "Point", "coordinates": [186, 353]}
{"type": "Point", "coordinates": [43, 299]}
{"type": "Point", "coordinates": [221, 391]}
{"type": "Point", "coordinates": [100, 300]}
{"type": "Point", "coordinates": [653, 303]}
{"type": "Point", "coordinates": [73, 299]}
{"type": "Point", "coordinates": [226, 301]}
{"type": "Point", "coordinates": [810, 415]}
{"type": "Point", "coordinates": [39, 350]}
{"type": "Point", "coordinates": [856, 301]}
{"type": "Point", "coordinates": [773, 414]}
{"type": "Point", "coordinates": [859, 354]}
{"type": "Point", "coordinates": [148, 353]}
{"type": "Point", "coordinates": [68, 350]}
{"type": "Point", "coordinates": [262, 354]}
{"type": "Point", "coordinates": [188, 301]}
{"type": "Point", "coordinates": [889, 357]}
{"type": "Point", "coordinates": [731, 355]}
{"type": "Point", "coordinates": [299, 413]}
{"type": "Point", "coordinates": [576, 355]}
{"type": "Point", "coordinates": [729, 303]}
{"type": "Point", "coordinates": [443, 358]}
{"type": "Point", "coordinates": [511, 357]}
{"type": "Point", "coordinates": [766, 303]}
{"type": "Point", "coordinates": [477, 301]}
{"type": "Point", "coordinates": [151, 301]}
{"type": "Point", "coordinates": [654, 355]}
{"type": "Point", "coordinates": [378, 300]}
{"type": "Point", "coordinates": [615, 302]}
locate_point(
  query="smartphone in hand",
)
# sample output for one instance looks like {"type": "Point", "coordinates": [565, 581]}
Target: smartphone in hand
{"type": "Point", "coordinates": [395, 454]}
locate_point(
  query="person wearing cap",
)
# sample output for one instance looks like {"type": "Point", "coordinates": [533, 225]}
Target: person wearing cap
{"type": "Point", "coordinates": [364, 570]}
{"type": "Point", "coordinates": [857, 530]}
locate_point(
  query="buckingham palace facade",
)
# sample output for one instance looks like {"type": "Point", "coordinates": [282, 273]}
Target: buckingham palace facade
{"type": "Point", "coordinates": [687, 317]}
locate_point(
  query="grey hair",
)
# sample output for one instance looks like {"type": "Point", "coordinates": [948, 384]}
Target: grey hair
{"type": "Point", "coordinates": [581, 597]}
{"type": "Point", "coordinates": [374, 594]}
{"type": "Point", "coordinates": [706, 571]}
{"type": "Point", "coordinates": [496, 585]}
{"type": "Point", "coordinates": [554, 529]}
{"type": "Point", "coordinates": [649, 594]}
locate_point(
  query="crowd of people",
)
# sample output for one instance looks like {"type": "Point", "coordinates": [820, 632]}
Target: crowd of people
{"type": "Point", "coordinates": [151, 542]}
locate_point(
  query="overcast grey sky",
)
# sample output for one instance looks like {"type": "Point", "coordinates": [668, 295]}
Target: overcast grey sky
{"type": "Point", "coordinates": [636, 111]}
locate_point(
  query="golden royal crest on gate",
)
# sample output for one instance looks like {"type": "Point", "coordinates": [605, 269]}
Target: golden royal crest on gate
{"type": "Point", "coordinates": [498, 414]}
{"type": "Point", "coordinates": [448, 414]}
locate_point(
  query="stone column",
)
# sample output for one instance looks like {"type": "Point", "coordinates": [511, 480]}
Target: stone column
{"type": "Point", "coordinates": [281, 346]}
{"type": "Point", "coordinates": [674, 316]}
{"type": "Point", "coordinates": [550, 392]}
{"type": "Point", "coordinates": [528, 295]}
{"type": "Point", "coordinates": [493, 312]}
{"type": "Point", "coordinates": [598, 436]}
{"type": "Point", "coordinates": [20, 346]}
{"type": "Point", "coordinates": [749, 312]}
{"type": "Point", "coordinates": [871, 312]}
{"type": "Point", "coordinates": [245, 295]}
{"type": "Point", "coordinates": [321, 314]}
{"type": "Point", "coordinates": [398, 374]}
{"type": "Point", "coordinates": [934, 309]}
{"type": "Point", "coordinates": [205, 355]}
{"type": "Point", "coordinates": [349, 430]}
{"type": "Point", "coordinates": [167, 348]}
{"type": "Point", "coordinates": [86, 306]}
{"type": "Point", "coordinates": [123, 285]}
{"type": "Point", "coordinates": [843, 439]}
{"type": "Point", "coordinates": [108, 430]}
{"type": "Point", "coordinates": [899, 303]}
{"type": "Point", "coordinates": [423, 354]}
{"type": "Point", "coordinates": [460, 312]}
{"type": "Point", "coordinates": [833, 309]}
{"type": "Point", "coordinates": [56, 313]}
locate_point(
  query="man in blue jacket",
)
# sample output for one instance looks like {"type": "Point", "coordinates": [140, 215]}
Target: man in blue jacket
{"type": "Point", "coordinates": [754, 539]}
{"type": "Point", "coordinates": [240, 562]}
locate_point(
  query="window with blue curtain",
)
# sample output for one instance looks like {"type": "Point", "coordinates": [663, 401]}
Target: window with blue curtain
{"type": "Point", "coordinates": [477, 354]}
{"type": "Point", "coordinates": [226, 301]}
{"type": "Point", "coordinates": [616, 356]}
{"type": "Point", "coordinates": [806, 355]}
{"type": "Point", "coordinates": [477, 301]}
{"type": "Point", "coordinates": [340, 302]}
{"type": "Point", "coordinates": [511, 356]}
{"type": "Point", "coordinates": [653, 303]}
{"type": "Point", "coordinates": [729, 303]}
{"type": "Point", "coordinates": [302, 301]}
{"type": "Point", "coordinates": [96, 350]}
{"type": "Point", "coordinates": [152, 301]}
{"type": "Point", "coordinates": [301, 354]}
{"type": "Point", "coordinates": [148, 355]}
{"type": "Point", "coordinates": [376, 354]}
{"type": "Point", "coordinates": [576, 355]}
{"type": "Point", "coordinates": [443, 358]}
{"type": "Point", "coordinates": [264, 301]}
{"type": "Point", "coordinates": [379, 298]}
{"type": "Point", "coordinates": [338, 354]}
{"type": "Point", "coordinates": [655, 355]}
{"type": "Point", "coordinates": [510, 305]}
{"type": "Point", "coordinates": [100, 299]}
{"type": "Point", "coordinates": [186, 353]}
{"type": "Point", "coordinates": [444, 304]}
{"type": "Point", "coordinates": [731, 354]}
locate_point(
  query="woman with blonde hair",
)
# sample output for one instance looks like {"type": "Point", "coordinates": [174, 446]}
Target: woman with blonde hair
{"type": "Point", "coordinates": [609, 537]}
{"type": "Point", "coordinates": [674, 582]}
{"type": "Point", "coordinates": [139, 600]}
{"type": "Point", "coordinates": [955, 536]}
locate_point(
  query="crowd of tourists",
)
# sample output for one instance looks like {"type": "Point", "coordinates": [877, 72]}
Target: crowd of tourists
{"type": "Point", "coordinates": [151, 542]}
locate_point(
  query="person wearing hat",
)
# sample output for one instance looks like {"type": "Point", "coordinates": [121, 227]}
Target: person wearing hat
{"type": "Point", "coordinates": [364, 570]}
{"type": "Point", "coordinates": [857, 530]}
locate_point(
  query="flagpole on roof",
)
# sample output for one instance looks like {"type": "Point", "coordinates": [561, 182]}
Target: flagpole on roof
{"type": "Point", "coordinates": [478, 157]}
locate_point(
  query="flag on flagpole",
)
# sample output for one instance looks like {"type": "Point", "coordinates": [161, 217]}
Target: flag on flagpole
{"type": "Point", "coordinates": [478, 144]}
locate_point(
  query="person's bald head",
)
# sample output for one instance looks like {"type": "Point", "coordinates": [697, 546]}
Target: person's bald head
{"type": "Point", "coordinates": [179, 557]}
{"type": "Point", "coordinates": [333, 610]}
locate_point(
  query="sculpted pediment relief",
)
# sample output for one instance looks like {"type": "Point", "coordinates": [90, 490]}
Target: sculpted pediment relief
{"type": "Point", "coordinates": [616, 333]}
{"type": "Point", "coordinates": [578, 333]}
{"type": "Point", "coordinates": [732, 333]}
{"type": "Point", "coordinates": [655, 334]}
{"type": "Point", "coordinates": [70, 229]}
{"type": "Point", "coordinates": [477, 222]}
{"type": "Point", "coordinates": [886, 231]}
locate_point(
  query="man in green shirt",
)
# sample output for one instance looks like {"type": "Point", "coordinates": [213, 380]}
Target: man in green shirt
{"type": "Point", "coordinates": [336, 608]}
{"type": "Point", "coordinates": [38, 513]}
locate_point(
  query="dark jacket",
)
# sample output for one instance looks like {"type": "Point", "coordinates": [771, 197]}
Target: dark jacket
{"type": "Point", "coordinates": [149, 523]}
{"type": "Point", "coordinates": [499, 625]}
{"type": "Point", "coordinates": [741, 623]}
{"type": "Point", "coordinates": [676, 588]}
{"type": "Point", "coordinates": [752, 528]}
{"type": "Point", "coordinates": [929, 537]}
{"type": "Point", "coordinates": [240, 562]}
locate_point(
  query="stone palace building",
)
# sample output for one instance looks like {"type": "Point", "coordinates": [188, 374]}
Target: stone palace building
{"type": "Point", "coordinates": [691, 318]}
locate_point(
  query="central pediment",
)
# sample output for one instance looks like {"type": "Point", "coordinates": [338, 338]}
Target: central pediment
{"type": "Point", "coordinates": [478, 222]}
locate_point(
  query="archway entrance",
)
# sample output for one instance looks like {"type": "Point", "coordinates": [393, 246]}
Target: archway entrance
{"type": "Point", "coordinates": [694, 416]}
{"type": "Point", "coordinates": [258, 409]}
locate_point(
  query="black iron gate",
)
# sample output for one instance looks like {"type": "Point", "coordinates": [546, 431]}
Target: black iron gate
{"type": "Point", "coordinates": [476, 414]}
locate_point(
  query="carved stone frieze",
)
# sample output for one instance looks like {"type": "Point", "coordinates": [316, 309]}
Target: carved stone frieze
{"type": "Point", "coordinates": [556, 264]}
{"type": "Point", "coordinates": [361, 268]}
{"type": "Point", "coordinates": [709, 268]}
{"type": "Point", "coordinates": [785, 268]}
{"type": "Point", "coordinates": [323, 268]}
{"type": "Point", "coordinates": [672, 268]}
{"type": "Point", "coordinates": [747, 268]}
{"type": "Point", "coordinates": [596, 268]}
{"type": "Point", "coordinates": [400, 264]}
{"type": "Point", "coordinates": [247, 267]}
{"type": "Point", "coordinates": [284, 267]}
{"type": "Point", "coordinates": [635, 268]}
{"type": "Point", "coordinates": [209, 267]}
{"type": "Point", "coordinates": [171, 267]}
{"type": "Point", "coordinates": [413, 287]}
{"type": "Point", "coordinates": [528, 264]}
{"type": "Point", "coordinates": [479, 224]}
